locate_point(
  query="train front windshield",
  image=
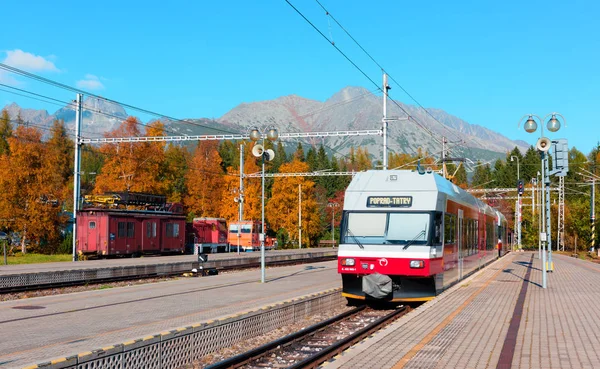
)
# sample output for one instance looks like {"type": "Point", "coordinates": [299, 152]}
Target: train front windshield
{"type": "Point", "coordinates": [387, 228]}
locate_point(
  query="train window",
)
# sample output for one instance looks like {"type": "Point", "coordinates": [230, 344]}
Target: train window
{"type": "Point", "coordinates": [449, 228]}
{"type": "Point", "coordinates": [130, 229]}
{"type": "Point", "coordinates": [246, 228]}
{"type": "Point", "coordinates": [172, 230]}
{"type": "Point", "coordinates": [405, 227]}
{"type": "Point", "coordinates": [122, 230]}
{"type": "Point", "coordinates": [233, 228]}
{"type": "Point", "coordinates": [92, 225]}
{"type": "Point", "coordinates": [151, 229]}
{"type": "Point", "coordinates": [437, 229]}
{"type": "Point", "coordinates": [367, 224]}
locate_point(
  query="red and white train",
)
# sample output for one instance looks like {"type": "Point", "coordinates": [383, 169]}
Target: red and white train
{"type": "Point", "coordinates": [407, 236]}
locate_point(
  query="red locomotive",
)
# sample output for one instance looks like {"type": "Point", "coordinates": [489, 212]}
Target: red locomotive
{"type": "Point", "coordinates": [207, 235]}
{"type": "Point", "coordinates": [156, 227]}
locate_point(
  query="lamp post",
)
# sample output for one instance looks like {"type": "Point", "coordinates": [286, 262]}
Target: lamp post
{"type": "Point", "coordinates": [519, 202]}
{"type": "Point", "coordinates": [332, 205]}
{"type": "Point", "coordinates": [543, 145]}
{"type": "Point", "coordinates": [259, 151]}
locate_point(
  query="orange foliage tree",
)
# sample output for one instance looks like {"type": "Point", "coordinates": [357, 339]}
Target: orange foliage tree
{"type": "Point", "coordinates": [228, 208]}
{"type": "Point", "coordinates": [204, 181]}
{"type": "Point", "coordinates": [282, 208]}
{"type": "Point", "coordinates": [30, 191]}
{"type": "Point", "coordinates": [252, 187]}
{"type": "Point", "coordinates": [133, 166]}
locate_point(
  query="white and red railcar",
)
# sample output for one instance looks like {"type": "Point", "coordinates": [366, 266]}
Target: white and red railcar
{"type": "Point", "coordinates": [407, 236]}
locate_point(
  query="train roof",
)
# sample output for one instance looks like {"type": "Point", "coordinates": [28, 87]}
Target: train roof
{"type": "Point", "coordinates": [130, 212]}
{"type": "Point", "coordinates": [424, 189]}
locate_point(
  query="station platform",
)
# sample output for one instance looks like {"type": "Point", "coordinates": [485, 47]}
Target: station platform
{"type": "Point", "coordinates": [500, 317]}
{"type": "Point", "coordinates": [146, 260]}
{"type": "Point", "coordinates": [62, 330]}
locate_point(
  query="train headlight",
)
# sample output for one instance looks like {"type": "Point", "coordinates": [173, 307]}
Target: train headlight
{"type": "Point", "coordinates": [348, 262]}
{"type": "Point", "coordinates": [417, 264]}
{"type": "Point", "coordinates": [433, 252]}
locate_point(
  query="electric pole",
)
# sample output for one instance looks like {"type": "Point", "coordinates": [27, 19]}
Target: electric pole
{"type": "Point", "coordinates": [384, 121]}
{"type": "Point", "coordinates": [76, 175]}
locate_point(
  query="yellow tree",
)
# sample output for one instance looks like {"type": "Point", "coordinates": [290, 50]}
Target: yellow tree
{"type": "Point", "coordinates": [204, 181]}
{"type": "Point", "coordinates": [282, 209]}
{"type": "Point", "coordinates": [397, 160]}
{"type": "Point", "coordinates": [252, 188]}
{"type": "Point", "coordinates": [363, 161]}
{"type": "Point", "coordinates": [28, 190]}
{"type": "Point", "coordinates": [173, 173]}
{"type": "Point", "coordinates": [228, 208]}
{"type": "Point", "coordinates": [132, 166]}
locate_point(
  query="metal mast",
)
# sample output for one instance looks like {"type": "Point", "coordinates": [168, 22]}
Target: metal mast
{"type": "Point", "coordinates": [384, 121]}
{"type": "Point", "coordinates": [76, 168]}
{"type": "Point", "coordinates": [560, 235]}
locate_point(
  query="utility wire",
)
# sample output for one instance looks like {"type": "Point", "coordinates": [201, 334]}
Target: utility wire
{"type": "Point", "coordinates": [71, 104]}
{"type": "Point", "coordinates": [73, 89]}
{"type": "Point", "coordinates": [359, 69]}
{"type": "Point", "coordinates": [383, 69]}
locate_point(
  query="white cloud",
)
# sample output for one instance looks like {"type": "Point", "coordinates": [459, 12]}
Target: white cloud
{"type": "Point", "coordinates": [24, 60]}
{"type": "Point", "coordinates": [90, 82]}
{"type": "Point", "coordinates": [7, 79]}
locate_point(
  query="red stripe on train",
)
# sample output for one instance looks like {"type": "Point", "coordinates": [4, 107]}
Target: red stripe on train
{"type": "Point", "coordinates": [389, 266]}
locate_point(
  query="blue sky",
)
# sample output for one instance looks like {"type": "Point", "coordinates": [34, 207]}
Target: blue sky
{"type": "Point", "coordinates": [487, 62]}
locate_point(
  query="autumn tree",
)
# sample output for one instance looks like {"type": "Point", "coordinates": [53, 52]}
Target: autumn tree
{"type": "Point", "coordinates": [252, 187]}
{"type": "Point", "coordinates": [204, 181]}
{"type": "Point", "coordinates": [173, 173]}
{"type": "Point", "coordinates": [133, 166]}
{"type": "Point", "coordinates": [58, 162]}
{"type": "Point", "coordinates": [28, 189]}
{"type": "Point", "coordinates": [230, 190]}
{"type": "Point", "coordinates": [5, 132]}
{"type": "Point", "coordinates": [282, 208]}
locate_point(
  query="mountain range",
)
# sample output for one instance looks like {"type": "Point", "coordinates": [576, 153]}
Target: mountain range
{"type": "Point", "coordinates": [352, 108]}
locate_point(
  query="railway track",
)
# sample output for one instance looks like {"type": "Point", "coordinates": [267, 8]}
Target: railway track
{"type": "Point", "coordinates": [95, 281]}
{"type": "Point", "coordinates": [316, 344]}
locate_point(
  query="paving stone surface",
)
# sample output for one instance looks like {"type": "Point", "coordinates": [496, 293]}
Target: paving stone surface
{"type": "Point", "coordinates": [62, 325]}
{"type": "Point", "coordinates": [467, 326]}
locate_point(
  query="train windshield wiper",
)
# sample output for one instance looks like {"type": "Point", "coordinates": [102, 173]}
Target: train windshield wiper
{"type": "Point", "coordinates": [420, 234]}
{"type": "Point", "coordinates": [355, 239]}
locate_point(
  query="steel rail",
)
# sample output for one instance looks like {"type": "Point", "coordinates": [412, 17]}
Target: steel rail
{"type": "Point", "coordinates": [318, 358]}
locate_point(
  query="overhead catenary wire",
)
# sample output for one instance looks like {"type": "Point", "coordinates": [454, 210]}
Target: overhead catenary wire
{"type": "Point", "coordinates": [413, 119]}
{"type": "Point", "coordinates": [328, 13]}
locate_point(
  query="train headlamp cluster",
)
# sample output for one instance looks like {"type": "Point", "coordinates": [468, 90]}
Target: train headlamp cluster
{"type": "Point", "coordinates": [417, 264]}
{"type": "Point", "coordinates": [348, 262]}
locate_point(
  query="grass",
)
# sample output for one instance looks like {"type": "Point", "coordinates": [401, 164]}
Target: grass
{"type": "Point", "coordinates": [35, 258]}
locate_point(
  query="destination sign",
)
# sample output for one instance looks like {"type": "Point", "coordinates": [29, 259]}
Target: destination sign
{"type": "Point", "coordinates": [389, 201]}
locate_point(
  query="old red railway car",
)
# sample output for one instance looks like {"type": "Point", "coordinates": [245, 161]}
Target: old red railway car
{"type": "Point", "coordinates": [116, 232]}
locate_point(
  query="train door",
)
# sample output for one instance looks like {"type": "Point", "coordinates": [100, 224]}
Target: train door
{"type": "Point", "coordinates": [460, 240]}
{"type": "Point", "coordinates": [150, 236]}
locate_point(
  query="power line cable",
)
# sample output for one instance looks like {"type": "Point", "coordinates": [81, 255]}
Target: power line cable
{"type": "Point", "coordinates": [383, 69]}
{"type": "Point", "coordinates": [76, 90]}
{"type": "Point", "coordinates": [73, 105]}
